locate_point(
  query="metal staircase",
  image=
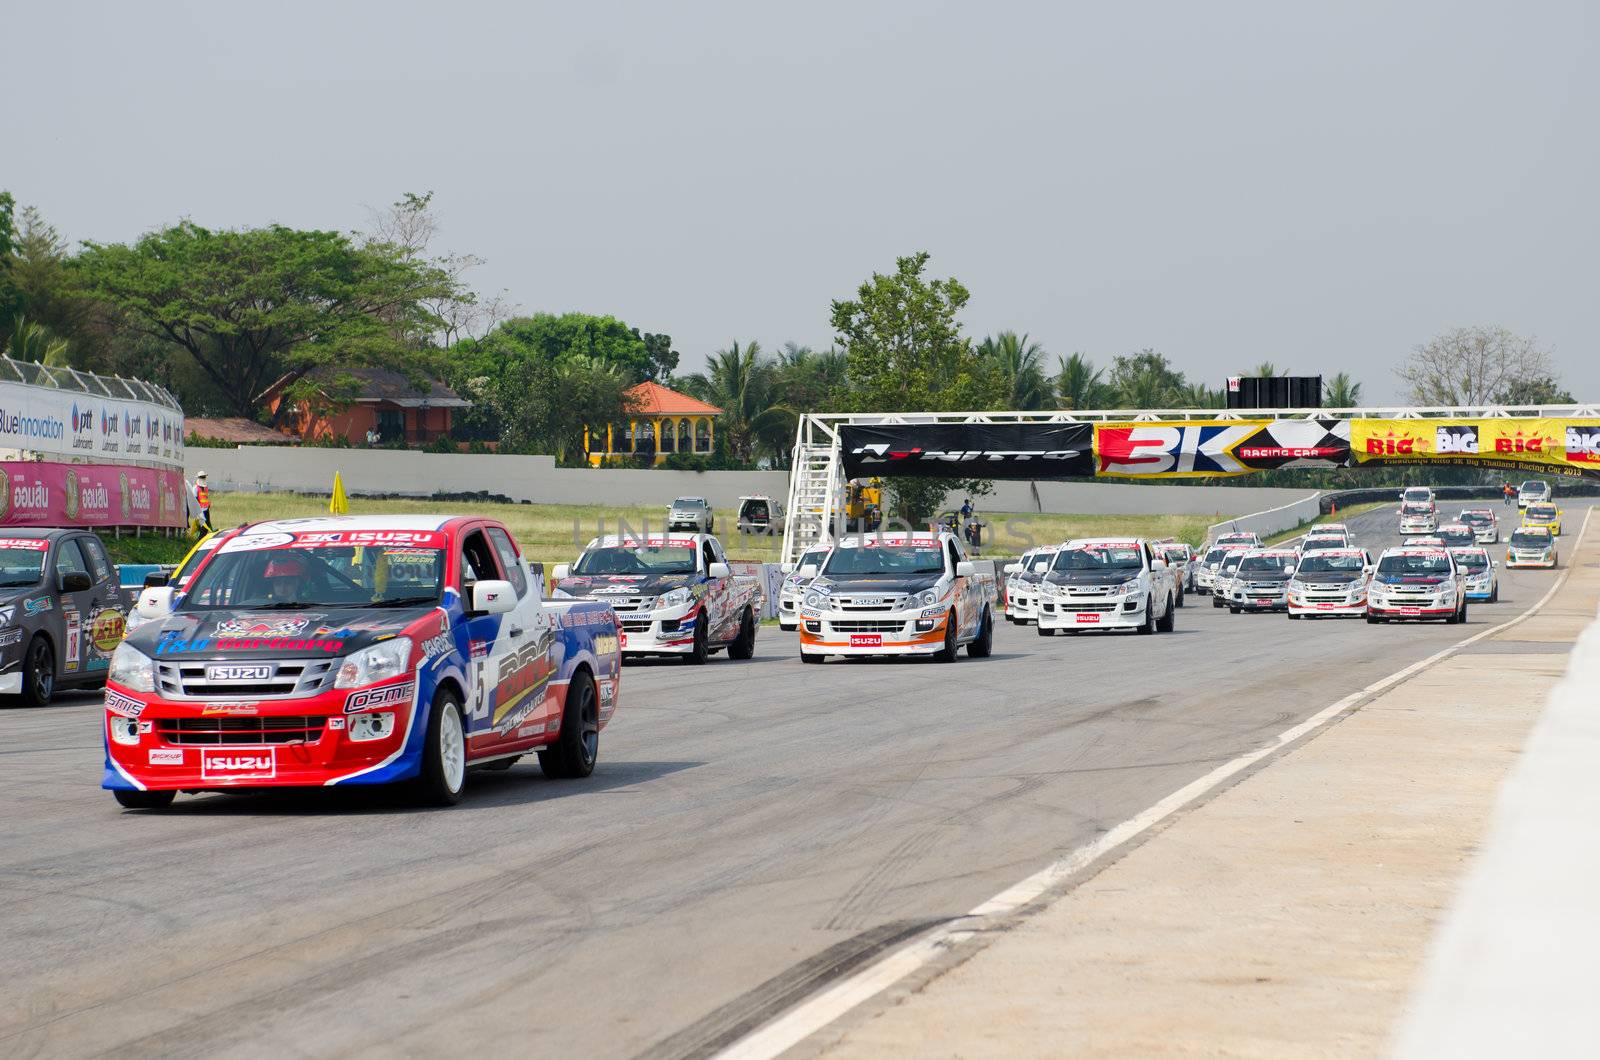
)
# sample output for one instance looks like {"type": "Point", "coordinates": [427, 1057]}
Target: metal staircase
{"type": "Point", "coordinates": [816, 490]}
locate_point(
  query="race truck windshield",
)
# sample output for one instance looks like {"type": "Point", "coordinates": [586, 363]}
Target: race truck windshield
{"type": "Point", "coordinates": [318, 575]}
{"type": "Point", "coordinates": [1415, 509]}
{"type": "Point", "coordinates": [1262, 563]}
{"type": "Point", "coordinates": [890, 559]}
{"type": "Point", "coordinates": [1107, 557]}
{"type": "Point", "coordinates": [1417, 494]}
{"type": "Point", "coordinates": [1473, 561]}
{"type": "Point", "coordinates": [1231, 562]}
{"type": "Point", "coordinates": [1216, 556]}
{"type": "Point", "coordinates": [645, 560]}
{"type": "Point", "coordinates": [1541, 511]}
{"type": "Point", "coordinates": [1476, 518]}
{"type": "Point", "coordinates": [1416, 564]}
{"type": "Point", "coordinates": [1321, 564]}
{"type": "Point", "coordinates": [1523, 539]}
{"type": "Point", "coordinates": [22, 562]}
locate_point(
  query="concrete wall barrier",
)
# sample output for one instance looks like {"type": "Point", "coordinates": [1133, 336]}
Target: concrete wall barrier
{"type": "Point", "coordinates": [1273, 520]}
{"type": "Point", "coordinates": [536, 479]}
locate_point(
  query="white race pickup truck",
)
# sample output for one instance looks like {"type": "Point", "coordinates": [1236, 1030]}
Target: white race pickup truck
{"type": "Point", "coordinates": [674, 594]}
{"type": "Point", "coordinates": [1108, 583]}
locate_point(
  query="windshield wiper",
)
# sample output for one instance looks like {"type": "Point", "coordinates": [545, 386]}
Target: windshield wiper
{"type": "Point", "coordinates": [404, 601]}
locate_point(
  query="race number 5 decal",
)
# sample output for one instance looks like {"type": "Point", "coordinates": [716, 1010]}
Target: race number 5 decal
{"type": "Point", "coordinates": [480, 695]}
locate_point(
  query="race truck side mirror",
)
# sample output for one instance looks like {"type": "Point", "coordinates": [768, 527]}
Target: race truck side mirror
{"type": "Point", "coordinates": [718, 570]}
{"type": "Point", "coordinates": [808, 570]}
{"type": "Point", "coordinates": [560, 572]}
{"type": "Point", "coordinates": [74, 581]}
{"type": "Point", "coordinates": [1013, 568]}
{"type": "Point", "coordinates": [155, 603]}
{"type": "Point", "coordinates": [966, 569]}
{"type": "Point", "coordinates": [156, 578]}
{"type": "Point", "coordinates": [493, 596]}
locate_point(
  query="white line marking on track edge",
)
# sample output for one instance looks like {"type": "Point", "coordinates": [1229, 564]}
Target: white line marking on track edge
{"type": "Point", "coordinates": [817, 1012]}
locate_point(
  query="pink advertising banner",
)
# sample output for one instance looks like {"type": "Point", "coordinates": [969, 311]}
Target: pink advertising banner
{"type": "Point", "coordinates": [49, 494]}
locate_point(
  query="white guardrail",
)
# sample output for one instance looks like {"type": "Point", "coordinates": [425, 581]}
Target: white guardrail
{"type": "Point", "coordinates": [1513, 970]}
{"type": "Point", "coordinates": [1272, 521]}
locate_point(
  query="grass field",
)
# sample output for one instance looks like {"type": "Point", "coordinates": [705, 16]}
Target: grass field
{"type": "Point", "coordinates": [554, 533]}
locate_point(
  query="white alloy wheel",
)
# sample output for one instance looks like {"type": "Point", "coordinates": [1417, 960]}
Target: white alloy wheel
{"type": "Point", "coordinates": [452, 749]}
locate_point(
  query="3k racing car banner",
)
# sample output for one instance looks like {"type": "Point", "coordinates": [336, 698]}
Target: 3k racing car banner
{"type": "Point", "coordinates": [1553, 446]}
{"type": "Point", "coordinates": [1211, 448]}
{"type": "Point", "coordinates": [968, 450]}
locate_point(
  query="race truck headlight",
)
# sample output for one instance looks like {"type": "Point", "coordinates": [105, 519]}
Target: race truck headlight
{"type": "Point", "coordinates": [373, 726]}
{"type": "Point", "coordinates": [815, 600]}
{"type": "Point", "coordinates": [380, 662]}
{"type": "Point", "coordinates": [559, 593]}
{"type": "Point", "coordinates": [6, 615]}
{"type": "Point", "coordinates": [927, 598]}
{"type": "Point", "coordinates": [1129, 586]}
{"type": "Point", "coordinates": [1296, 585]}
{"type": "Point", "coordinates": [675, 598]}
{"type": "Point", "coordinates": [132, 669]}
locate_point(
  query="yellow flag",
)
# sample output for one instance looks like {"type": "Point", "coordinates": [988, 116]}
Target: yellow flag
{"type": "Point", "coordinates": [340, 504]}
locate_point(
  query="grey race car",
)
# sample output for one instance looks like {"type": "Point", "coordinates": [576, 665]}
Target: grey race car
{"type": "Point", "coordinates": [61, 613]}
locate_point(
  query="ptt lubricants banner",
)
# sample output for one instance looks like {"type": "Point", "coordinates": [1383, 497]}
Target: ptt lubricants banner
{"type": "Point", "coordinates": [1212, 448]}
{"type": "Point", "coordinates": [1549, 446]}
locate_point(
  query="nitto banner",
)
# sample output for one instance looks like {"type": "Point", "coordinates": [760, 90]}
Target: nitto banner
{"type": "Point", "coordinates": [1550, 446]}
{"type": "Point", "coordinates": [967, 450]}
{"type": "Point", "coordinates": [1210, 448]}
{"type": "Point", "coordinates": [66, 423]}
{"type": "Point", "coordinates": [41, 494]}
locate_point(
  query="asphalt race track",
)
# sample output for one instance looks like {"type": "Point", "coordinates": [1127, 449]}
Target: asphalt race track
{"type": "Point", "coordinates": [752, 829]}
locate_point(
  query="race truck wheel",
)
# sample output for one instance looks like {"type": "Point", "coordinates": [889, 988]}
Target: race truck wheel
{"type": "Point", "coordinates": [982, 646]}
{"type": "Point", "coordinates": [744, 645]}
{"type": "Point", "coordinates": [573, 755]}
{"type": "Point", "coordinates": [38, 674]}
{"type": "Point", "coordinates": [1169, 621]}
{"type": "Point", "coordinates": [1294, 617]}
{"type": "Point", "coordinates": [702, 648]}
{"type": "Point", "coordinates": [1216, 601]}
{"type": "Point", "coordinates": [1233, 610]}
{"type": "Point", "coordinates": [1494, 594]}
{"type": "Point", "coordinates": [950, 652]}
{"type": "Point", "coordinates": [811, 657]}
{"type": "Point", "coordinates": [1046, 632]}
{"type": "Point", "coordinates": [1180, 596]}
{"type": "Point", "coordinates": [145, 800]}
{"type": "Point", "coordinates": [444, 753]}
{"type": "Point", "coordinates": [1148, 626]}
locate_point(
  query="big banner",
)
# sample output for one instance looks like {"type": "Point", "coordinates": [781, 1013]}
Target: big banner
{"type": "Point", "coordinates": [69, 423]}
{"type": "Point", "coordinates": [1211, 448]}
{"type": "Point", "coordinates": [48, 494]}
{"type": "Point", "coordinates": [968, 450]}
{"type": "Point", "coordinates": [1545, 446]}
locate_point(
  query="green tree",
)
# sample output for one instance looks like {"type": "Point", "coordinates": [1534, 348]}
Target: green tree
{"type": "Point", "coordinates": [28, 341]}
{"type": "Point", "coordinates": [1080, 385]}
{"type": "Point", "coordinates": [1264, 370]}
{"type": "Point", "coordinates": [1200, 396]}
{"type": "Point", "coordinates": [741, 381]}
{"type": "Point", "coordinates": [904, 352]}
{"type": "Point", "coordinates": [663, 359]}
{"type": "Point", "coordinates": [11, 305]}
{"type": "Point", "coordinates": [1341, 392]}
{"type": "Point", "coordinates": [252, 306]}
{"type": "Point", "coordinates": [556, 338]}
{"type": "Point", "coordinates": [1018, 367]}
{"type": "Point", "coordinates": [1540, 390]}
{"type": "Point", "coordinates": [543, 405]}
{"type": "Point", "coordinates": [1145, 380]}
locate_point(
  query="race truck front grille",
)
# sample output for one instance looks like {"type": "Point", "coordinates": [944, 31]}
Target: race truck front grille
{"type": "Point", "coordinates": [1099, 590]}
{"type": "Point", "coordinates": [1070, 609]}
{"type": "Point", "coordinates": [230, 730]}
{"type": "Point", "coordinates": [636, 625]}
{"type": "Point", "coordinates": [292, 678]}
{"type": "Point", "coordinates": [866, 626]}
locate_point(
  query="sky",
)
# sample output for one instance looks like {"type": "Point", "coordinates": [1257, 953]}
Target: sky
{"type": "Point", "coordinates": [1324, 186]}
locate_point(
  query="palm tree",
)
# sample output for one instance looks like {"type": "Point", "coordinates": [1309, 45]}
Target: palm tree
{"type": "Point", "coordinates": [1019, 366]}
{"type": "Point", "coordinates": [35, 343]}
{"type": "Point", "coordinates": [740, 381]}
{"type": "Point", "coordinates": [1341, 392]}
{"type": "Point", "coordinates": [1200, 396]}
{"type": "Point", "coordinates": [1079, 384]}
{"type": "Point", "coordinates": [1264, 370]}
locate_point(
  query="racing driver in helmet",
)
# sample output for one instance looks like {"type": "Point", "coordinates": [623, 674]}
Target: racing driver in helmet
{"type": "Point", "coordinates": [287, 577]}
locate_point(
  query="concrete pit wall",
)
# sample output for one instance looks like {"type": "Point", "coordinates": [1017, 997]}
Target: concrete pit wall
{"type": "Point", "coordinates": [536, 479]}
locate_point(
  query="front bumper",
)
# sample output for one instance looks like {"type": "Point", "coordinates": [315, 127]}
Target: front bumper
{"type": "Point", "coordinates": [1417, 528]}
{"type": "Point", "coordinates": [873, 632]}
{"type": "Point", "coordinates": [1480, 592]}
{"type": "Point", "coordinates": [1431, 606]}
{"type": "Point", "coordinates": [663, 632]}
{"type": "Point", "coordinates": [1091, 613]}
{"type": "Point", "coordinates": [1514, 562]}
{"type": "Point", "coordinates": [1259, 600]}
{"type": "Point", "coordinates": [185, 745]}
{"type": "Point", "coordinates": [1338, 604]}
{"type": "Point", "coordinates": [1022, 606]}
{"type": "Point", "coordinates": [1487, 537]}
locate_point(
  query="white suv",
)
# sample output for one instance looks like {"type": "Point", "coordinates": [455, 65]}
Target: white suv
{"type": "Point", "coordinates": [1417, 584]}
{"type": "Point", "coordinates": [1108, 583]}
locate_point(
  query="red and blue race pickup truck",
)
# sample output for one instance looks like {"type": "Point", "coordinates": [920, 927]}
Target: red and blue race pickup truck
{"type": "Point", "coordinates": [356, 650]}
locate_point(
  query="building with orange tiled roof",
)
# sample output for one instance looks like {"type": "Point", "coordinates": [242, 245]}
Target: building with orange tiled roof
{"type": "Point", "coordinates": [662, 422]}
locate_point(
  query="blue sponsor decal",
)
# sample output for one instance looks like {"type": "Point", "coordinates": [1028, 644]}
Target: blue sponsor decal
{"type": "Point", "coordinates": [38, 605]}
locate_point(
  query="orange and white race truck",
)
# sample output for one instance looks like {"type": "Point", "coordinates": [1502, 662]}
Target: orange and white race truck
{"type": "Point", "coordinates": [898, 593]}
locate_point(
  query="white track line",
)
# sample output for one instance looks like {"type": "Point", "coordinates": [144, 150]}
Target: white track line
{"type": "Point", "coordinates": [815, 1013]}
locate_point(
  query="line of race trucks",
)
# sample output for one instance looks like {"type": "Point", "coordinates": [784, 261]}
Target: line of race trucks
{"type": "Point", "coordinates": [359, 650]}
